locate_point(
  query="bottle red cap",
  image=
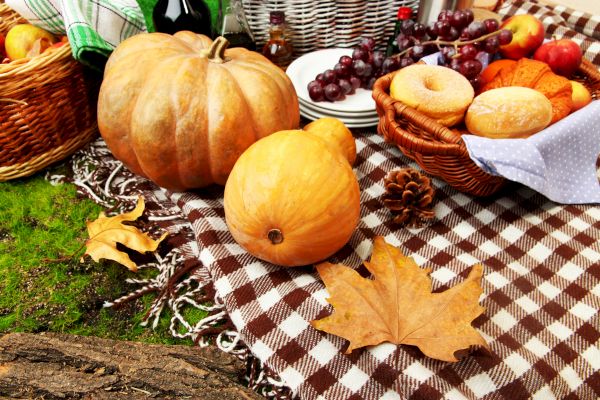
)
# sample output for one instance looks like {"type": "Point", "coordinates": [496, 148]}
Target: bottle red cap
{"type": "Point", "coordinates": [404, 12]}
{"type": "Point", "coordinates": [277, 17]}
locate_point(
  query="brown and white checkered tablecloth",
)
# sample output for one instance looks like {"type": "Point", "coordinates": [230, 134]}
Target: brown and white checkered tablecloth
{"type": "Point", "coordinates": [541, 286]}
{"type": "Point", "coordinates": [541, 289]}
{"type": "Point", "coordinates": [541, 294]}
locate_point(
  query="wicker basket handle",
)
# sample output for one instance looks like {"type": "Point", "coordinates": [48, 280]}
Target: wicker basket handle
{"type": "Point", "coordinates": [417, 133]}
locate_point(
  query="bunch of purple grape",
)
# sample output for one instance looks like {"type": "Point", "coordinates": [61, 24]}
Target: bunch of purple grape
{"type": "Point", "coordinates": [469, 59]}
{"type": "Point", "coordinates": [360, 70]}
{"type": "Point", "coordinates": [410, 42]}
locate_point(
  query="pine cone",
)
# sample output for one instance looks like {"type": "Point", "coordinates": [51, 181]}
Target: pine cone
{"type": "Point", "coordinates": [409, 195]}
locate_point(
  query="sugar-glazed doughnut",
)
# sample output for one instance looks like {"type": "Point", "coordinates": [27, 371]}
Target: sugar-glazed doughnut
{"type": "Point", "coordinates": [438, 92]}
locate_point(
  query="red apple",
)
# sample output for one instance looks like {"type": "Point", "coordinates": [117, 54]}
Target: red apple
{"type": "Point", "coordinates": [562, 55]}
{"type": "Point", "coordinates": [55, 46]}
{"type": "Point", "coordinates": [528, 35]}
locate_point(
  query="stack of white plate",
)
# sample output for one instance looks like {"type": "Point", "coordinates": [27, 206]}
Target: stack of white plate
{"type": "Point", "coordinates": [355, 111]}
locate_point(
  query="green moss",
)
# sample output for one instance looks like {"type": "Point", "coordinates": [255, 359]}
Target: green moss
{"type": "Point", "coordinates": [40, 223]}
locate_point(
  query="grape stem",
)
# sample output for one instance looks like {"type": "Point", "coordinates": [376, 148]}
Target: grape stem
{"type": "Point", "coordinates": [455, 43]}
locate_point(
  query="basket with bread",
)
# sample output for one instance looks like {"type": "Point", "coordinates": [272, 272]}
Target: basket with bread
{"type": "Point", "coordinates": [47, 99]}
{"type": "Point", "coordinates": [425, 109]}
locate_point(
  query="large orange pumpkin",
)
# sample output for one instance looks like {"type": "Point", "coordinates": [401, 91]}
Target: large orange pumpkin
{"type": "Point", "coordinates": [292, 198]}
{"type": "Point", "coordinates": [536, 75]}
{"type": "Point", "coordinates": [181, 109]}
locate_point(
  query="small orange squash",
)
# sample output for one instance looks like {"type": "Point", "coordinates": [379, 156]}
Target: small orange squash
{"type": "Point", "coordinates": [536, 75]}
{"type": "Point", "coordinates": [292, 198]}
{"type": "Point", "coordinates": [181, 109]}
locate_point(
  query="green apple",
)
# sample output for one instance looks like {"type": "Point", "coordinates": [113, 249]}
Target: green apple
{"type": "Point", "coordinates": [21, 38]}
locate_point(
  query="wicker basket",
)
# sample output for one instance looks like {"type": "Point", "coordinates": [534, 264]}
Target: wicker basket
{"type": "Point", "coordinates": [327, 23]}
{"type": "Point", "coordinates": [47, 107]}
{"type": "Point", "coordinates": [438, 150]}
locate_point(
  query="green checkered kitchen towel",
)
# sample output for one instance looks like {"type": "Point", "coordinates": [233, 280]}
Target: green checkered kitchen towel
{"type": "Point", "coordinates": [94, 27]}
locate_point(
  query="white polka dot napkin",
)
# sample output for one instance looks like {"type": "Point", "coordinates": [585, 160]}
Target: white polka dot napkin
{"type": "Point", "coordinates": [559, 162]}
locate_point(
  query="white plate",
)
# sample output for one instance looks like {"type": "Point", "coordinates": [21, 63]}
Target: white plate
{"type": "Point", "coordinates": [352, 114]}
{"type": "Point", "coordinates": [304, 69]}
{"type": "Point", "coordinates": [316, 106]}
{"type": "Point", "coordinates": [344, 119]}
{"type": "Point", "coordinates": [352, 123]}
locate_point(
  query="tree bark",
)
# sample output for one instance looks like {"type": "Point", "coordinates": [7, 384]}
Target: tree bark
{"type": "Point", "coordinates": [59, 366]}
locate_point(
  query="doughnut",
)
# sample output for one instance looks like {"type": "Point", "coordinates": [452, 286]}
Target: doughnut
{"type": "Point", "coordinates": [437, 92]}
{"type": "Point", "coordinates": [508, 112]}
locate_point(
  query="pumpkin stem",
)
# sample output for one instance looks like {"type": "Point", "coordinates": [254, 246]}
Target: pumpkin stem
{"type": "Point", "coordinates": [275, 236]}
{"type": "Point", "coordinates": [216, 53]}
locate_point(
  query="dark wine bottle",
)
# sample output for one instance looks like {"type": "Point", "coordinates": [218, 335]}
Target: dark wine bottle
{"type": "Point", "coordinates": [404, 13]}
{"type": "Point", "coordinates": [171, 16]}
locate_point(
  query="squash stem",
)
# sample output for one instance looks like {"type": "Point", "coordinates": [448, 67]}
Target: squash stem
{"type": "Point", "coordinates": [275, 236]}
{"type": "Point", "coordinates": [216, 53]}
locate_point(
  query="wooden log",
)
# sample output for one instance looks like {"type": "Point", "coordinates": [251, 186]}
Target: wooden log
{"type": "Point", "coordinates": [60, 366]}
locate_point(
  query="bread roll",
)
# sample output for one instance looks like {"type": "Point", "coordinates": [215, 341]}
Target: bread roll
{"type": "Point", "coordinates": [508, 112]}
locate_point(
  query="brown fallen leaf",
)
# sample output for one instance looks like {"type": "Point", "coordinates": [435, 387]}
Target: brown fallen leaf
{"type": "Point", "coordinates": [397, 306]}
{"type": "Point", "coordinates": [105, 232]}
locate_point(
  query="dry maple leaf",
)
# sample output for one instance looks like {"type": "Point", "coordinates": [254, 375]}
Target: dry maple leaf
{"type": "Point", "coordinates": [397, 306]}
{"type": "Point", "coordinates": [106, 232]}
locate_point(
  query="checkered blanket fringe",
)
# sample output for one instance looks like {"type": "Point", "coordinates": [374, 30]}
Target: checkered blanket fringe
{"type": "Point", "coordinates": [181, 281]}
{"type": "Point", "coordinates": [105, 180]}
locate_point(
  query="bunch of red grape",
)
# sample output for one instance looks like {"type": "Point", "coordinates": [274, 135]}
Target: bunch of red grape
{"type": "Point", "coordinates": [360, 70]}
{"type": "Point", "coordinates": [410, 42]}
{"type": "Point", "coordinates": [477, 43]}
{"type": "Point", "coordinates": [465, 45]}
